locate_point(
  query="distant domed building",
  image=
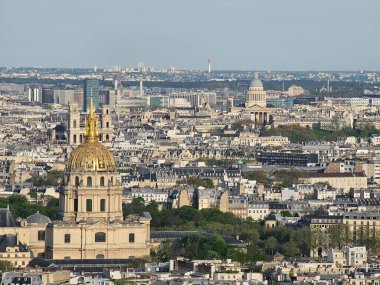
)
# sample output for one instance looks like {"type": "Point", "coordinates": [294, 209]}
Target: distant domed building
{"type": "Point", "coordinates": [255, 96]}
{"type": "Point", "coordinates": [255, 104]}
{"type": "Point", "coordinates": [295, 90]}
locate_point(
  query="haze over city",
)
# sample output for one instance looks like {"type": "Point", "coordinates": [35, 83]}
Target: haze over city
{"type": "Point", "coordinates": [199, 142]}
{"type": "Point", "coordinates": [236, 34]}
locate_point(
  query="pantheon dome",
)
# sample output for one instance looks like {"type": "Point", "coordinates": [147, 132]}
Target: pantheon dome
{"type": "Point", "coordinates": [256, 82]}
{"type": "Point", "coordinates": [256, 95]}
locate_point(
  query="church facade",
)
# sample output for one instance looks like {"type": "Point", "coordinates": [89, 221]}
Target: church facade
{"type": "Point", "coordinates": [92, 224]}
{"type": "Point", "coordinates": [255, 104]}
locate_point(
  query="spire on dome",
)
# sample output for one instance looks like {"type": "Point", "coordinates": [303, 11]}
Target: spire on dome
{"type": "Point", "coordinates": [91, 123]}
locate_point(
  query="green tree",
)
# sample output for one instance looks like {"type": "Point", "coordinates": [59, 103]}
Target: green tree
{"type": "Point", "coordinates": [290, 249]}
{"type": "Point", "coordinates": [339, 235]}
{"type": "Point", "coordinates": [218, 245]}
{"type": "Point", "coordinates": [317, 240]}
{"type": "Point", "coordinates": [136, 207]}
{"type": "Point", "coordinates": [288, 177]}
{"type": "Point", "coordinates": [6, 265]}
{"type": "Point", "coordinates": [270, 244]}
{"type": "Point", "coordinates": [165, 252]}
{"type": "Point", "coordinates": [36, 180]}
{"type": "Point", "coordinates": [242, 124]}
{"type": "Point", "coordinates": [260, 176]}
{"type": "Point", "coordinates": [197, 182]}
{"type": "Point", "coordinates": [286, 214]}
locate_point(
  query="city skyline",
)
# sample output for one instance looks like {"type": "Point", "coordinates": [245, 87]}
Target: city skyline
{"type": "Point", "coordinates": [236, 35]}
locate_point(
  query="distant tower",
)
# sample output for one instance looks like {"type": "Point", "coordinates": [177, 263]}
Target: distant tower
{"type": "Point", "coordinates": [328, 86]}
{"type": "Point", "coordinates": [141, 66]}
{"type": "Point", "coordinates": [209, 65]}
{"type": "Point", "coordinates": [91, 87]}
{"type": "Point", "coordinates": [230, 104]}
{"type": "Point", "coordinates": [106, 127]}
{"type": "Point", "coordinates": [141, 88]}
{"type": "Point", "coordinates": [75, 135]}
{"type": "Point", "coordinates": [95, 68]}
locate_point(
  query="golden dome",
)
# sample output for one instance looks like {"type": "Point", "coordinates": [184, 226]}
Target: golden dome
{"type": "Point", "coordinates": [91, 155]}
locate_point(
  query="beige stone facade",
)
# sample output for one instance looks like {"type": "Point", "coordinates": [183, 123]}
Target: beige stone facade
{"type": "Point", "coordinates": [91, 207]}
{"type": "Point", "coordinates": [252, 139]}
{"type": "Point", "coordinates": [346, 181]}
{"type": "Point", "coordinates": [256, 94]}
{"type": "Point", "coordinates": [76, 133]}
{"type": "Point", "coordinates": [123, 239]}
{"type": "Point", "coordinates": [92, 224]}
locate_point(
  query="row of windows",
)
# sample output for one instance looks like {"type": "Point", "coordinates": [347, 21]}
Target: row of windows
{"type": "Point", "coordinates": [362, 218]}
{"type": "Point", "coordinates": [75, 123]}
{"type": "Point", "coordinates": [98, 256]}
{"type": "Point", "coordinates": [13, 255]}
{"type": "Point", "coordinates": [81, 138]}
{"type": "Point", "coordinates": [89, 205]}
{"type": "Point", "coordinates": [259, 211]}
{"type": "Point", "coordinates": [89, 181]}
{"type": "Point", "coordinates": [100, 237]}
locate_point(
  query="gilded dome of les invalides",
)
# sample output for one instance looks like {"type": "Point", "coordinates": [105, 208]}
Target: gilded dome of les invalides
{"type": "Point", "coordinates": [91, 155]}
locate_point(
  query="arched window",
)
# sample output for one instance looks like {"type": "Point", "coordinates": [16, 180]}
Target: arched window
{"type": "Point", "coordinates": [100, 256]}
{"type": "Point", "coordinates": [107, 125]}
{"type": "Point", "coordinates": [107, 112]}
{"type": "Point", "coordinates": [89, 181]}
{"type": "Point", "coordinates": [100, 237]}
{"type": "Point", "coordinates": [74, 123]}
{"type": "Point", "coordinates": [77, 181]}
{"type": "Point", "coordinates": [75, 138]}
{"type": "Point", "coordinates": [107, 137]}
{"type": "Point", "coordinates": [102, 181]}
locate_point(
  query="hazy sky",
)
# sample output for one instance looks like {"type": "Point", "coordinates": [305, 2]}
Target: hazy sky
{"type": "Point", "coordinates": [236, 34]}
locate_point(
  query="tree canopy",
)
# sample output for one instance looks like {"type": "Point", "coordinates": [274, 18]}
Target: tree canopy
{"type": "Point", "coordinates": [298, 134]}
{"type": "Point", "coordinates": [20, 207]}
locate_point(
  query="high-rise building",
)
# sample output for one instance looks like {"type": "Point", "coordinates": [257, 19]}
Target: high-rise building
{"type": "Point", "coordinates": [91, 87]}
{"type": "Point", "coordinates": [47, 95]}
{"type": "Point", "coordinates": [79, 98]}
{"type": "Point", "coordinates": [34, 94]}
{"type": "Point", "coordinates": [159, 101]}
{"type": "Point", "coordinates": [63, 97]}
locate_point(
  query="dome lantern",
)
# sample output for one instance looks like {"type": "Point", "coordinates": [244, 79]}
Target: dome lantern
{"type": "Point", "coordinates": [91, 155]}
